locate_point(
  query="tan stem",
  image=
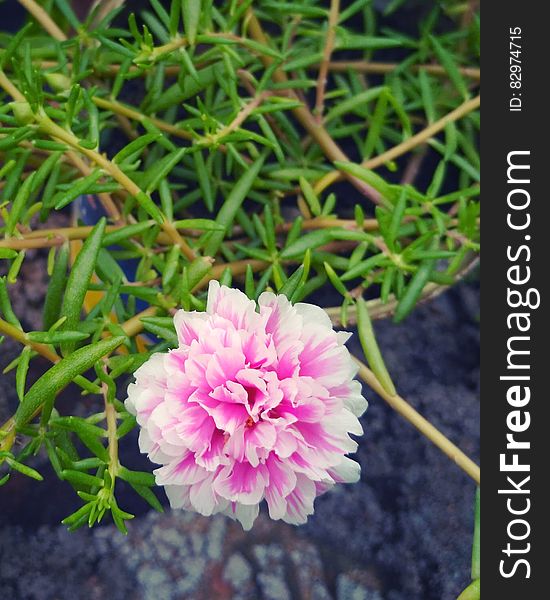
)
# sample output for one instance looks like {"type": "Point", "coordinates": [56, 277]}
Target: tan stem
{"type": "Point", "coordinates": [380, 310]}
{"type": "Point", "coordinates": [379, 68]}
{"type": "Point", "coordinates": [112, 439]}
{"type": "Point", "coordinates": [28, 244]}
{"type": "Point", "coordinates": [57, 133]}
{"type": "Point", "coordinates": [10, 88]}
{"type": "Point", "coordinates": [327, 52]}
{"type": "Point", "coordinates": [425, 134]}
{"type": "Point", "coordinates": [242, 115]}
{"type": "Point", "coordinates": [68, 233]}
{"type": "Point", "coordinates": [116, 173]}
{"type": "Point", "coordinates": [327, 223]}
{"type": "Point", "coordinates": [422, 424]}
{"type": "Point", "coordinates": [44, 19]}
{"type": "Point", "coordinates": [106, 201]}
{"type": "Point", "coordinates": [132, 113]}
{"type": "Point", "coordinates": [336, 66]}
{"type": "Point", "coordinates": [407, 145]}
{"type": "Point", "coordinates": [134, 325]}
{"type": "Point", "coordinates": [82, 232]}
{"type": "Point", "coordinates": [237, 268]}
{"type": "Point", "coordinates": [20, 336]}
{"type": "Point", "coordinates": [105, 7]}
{"type": "Point", "coordinates": [7, 436]}
{"type": "Point", "coordinates": [181, 42]}
{"type": "Point", "coordinates": [111, 419]}
{"type": "Point", "coordinates": [330, 148]}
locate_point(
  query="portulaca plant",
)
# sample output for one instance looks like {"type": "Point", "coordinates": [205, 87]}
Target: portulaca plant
{"type": "Point", "coordinates": [219, 191]}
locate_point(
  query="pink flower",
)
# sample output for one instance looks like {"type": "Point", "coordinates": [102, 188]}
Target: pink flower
{"type": "Point", "coordinates": [256, 403]}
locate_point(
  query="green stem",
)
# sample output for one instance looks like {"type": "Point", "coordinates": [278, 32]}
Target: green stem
{"type": "Point", "coordinates": [7, 436]}
{"type": "Point", "coordinates": [476, 548]}
{"type": "Point", "coordinates": [472, 592]}
{"type": "Point", "coordinates": [371, 349]}
{"type": "Point", "coordinates": [112, 438]}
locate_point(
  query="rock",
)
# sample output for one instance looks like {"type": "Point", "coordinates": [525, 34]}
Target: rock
{"type": "Point", "coordinates": [349, 589]}
{"type": "Point", "coordinates": [237, 571]}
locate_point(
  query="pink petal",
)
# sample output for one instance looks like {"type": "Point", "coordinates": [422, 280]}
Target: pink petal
{"type": "Point", "coordinates": [223, 366]}
{"type": "Point", "coordinates": [228, 416]}
{"type": "Point", "coordinates": [261, 436]}
{"type": "Point", "coordinates": [195, 428]}
{"type": "Point", "coordinates": [286, 444]}
{"type": "Point", "coordinates": [189, 326]}
{"type": "Point", "coordinates": [242, 483]}
{"type": "Point", "coordinates": [284, 324]}
{"type": "Point", "coordinates": [182, 472]}
{"type": "Point", "coordinates": [230, 304]}
{"type": "Point", "coordinates": [300, 501]}
{"type": "Point", "coordinates": [178, 496]}
{"type": "Point", "coordinates": [213, 455]}
{"type": "Point", "coordinates": [204, 499]}
{"type": "Point", "coordinates": [282, 480]}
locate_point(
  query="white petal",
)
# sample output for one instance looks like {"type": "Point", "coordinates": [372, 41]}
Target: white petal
{"type": "Point", "coordinates": [178, 496]}
{"type": "Point", "coordinates": [189, 325]}
{"type": "Point", "coordinates": [300, 501]}
{"type": "Point", "coordinates": [348, 471]}
{"type": "Point", "coordinates": [203, 497]}
{"type": "Point", "coordinates": [313, 315]}
{"type": "Point", "coordinates": [247, 514]}
{"type": "Point", "coordinates": [345, 421]}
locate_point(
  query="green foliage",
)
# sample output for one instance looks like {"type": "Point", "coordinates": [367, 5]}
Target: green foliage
{"type": "Point", "coordinates": [195, 130]}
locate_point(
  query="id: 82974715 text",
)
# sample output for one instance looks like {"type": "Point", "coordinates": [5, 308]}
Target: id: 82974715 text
{"type": "Point", "coordinates": [515, 82]}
